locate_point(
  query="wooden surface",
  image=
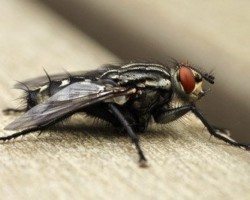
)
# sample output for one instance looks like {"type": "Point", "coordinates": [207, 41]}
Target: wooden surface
{"type": "Point", "coordinates": [85, 161]}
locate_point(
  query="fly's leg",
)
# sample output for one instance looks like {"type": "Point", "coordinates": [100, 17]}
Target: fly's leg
{"type": "Point", "coordinates": [9, 111]}
{"type": "Point", "coordinates": [222, 130]}
{"type": "Point", "coordinates": [165, 115]}
{"type": "Point", "coordinates": [116, 112]}
{"type": "Point", "coordinates": [168, 115]}
{"type": "Point", "coordinates": [21, 133]}
{"type": "Point", "coordinates": [31, 130]}
{"type": "Point", "coordinates": [216, 134]}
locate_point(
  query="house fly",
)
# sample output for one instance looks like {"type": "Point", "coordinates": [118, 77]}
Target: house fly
{"type": "Point", "coordinates": [127, 96]}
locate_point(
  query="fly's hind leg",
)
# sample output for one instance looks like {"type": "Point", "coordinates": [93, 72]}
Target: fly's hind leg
{"type": "Point", "coordinates": [21, 133]}
{"type": "Point", "coordinates": [9, 111]}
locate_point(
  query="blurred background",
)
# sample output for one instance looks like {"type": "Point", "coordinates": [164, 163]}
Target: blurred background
{"type": "Point", "coordinates": [214, 35]}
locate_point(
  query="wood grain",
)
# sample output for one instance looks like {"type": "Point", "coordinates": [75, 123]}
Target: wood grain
{"type": "Point", "coordinates": [82, 160]}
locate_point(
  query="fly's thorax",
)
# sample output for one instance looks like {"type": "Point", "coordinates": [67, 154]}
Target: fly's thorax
{"type": "Point", "coordinates": [148, 79]}
{"type": "Point", "coordinates": [145, 74]}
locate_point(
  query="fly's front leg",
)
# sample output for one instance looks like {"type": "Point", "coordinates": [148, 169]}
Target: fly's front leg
{"type": "Point", "coordinates": [119, 115]}
{"type": "Point", "coordinates": [167, 115]}
{"type": "Point", "coordinates": [215, 133]}
{"type": "Point", "coordinates": [222, 130]}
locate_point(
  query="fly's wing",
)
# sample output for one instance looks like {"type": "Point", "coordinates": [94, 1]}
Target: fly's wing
{"type": "Point", "coordinates": [35, 83]}
{"type": "Point", "coordinates": [65, 102]}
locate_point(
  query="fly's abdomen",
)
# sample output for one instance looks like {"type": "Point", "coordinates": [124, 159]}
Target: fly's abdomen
{"type": "Point", "coordinates": [41, 94]}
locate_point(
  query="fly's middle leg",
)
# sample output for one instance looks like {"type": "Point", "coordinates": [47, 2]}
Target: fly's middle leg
{"type": "Point", "coordinates": [118, 114]}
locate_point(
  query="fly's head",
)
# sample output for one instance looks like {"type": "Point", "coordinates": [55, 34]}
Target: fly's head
{"type": "Point", "coordinates": [188, 82]}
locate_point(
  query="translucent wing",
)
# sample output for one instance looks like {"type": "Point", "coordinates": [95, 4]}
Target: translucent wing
{"type": "Point", "coordinates": [65, 102]}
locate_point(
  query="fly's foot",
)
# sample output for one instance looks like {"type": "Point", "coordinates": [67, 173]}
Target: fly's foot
{"type": "Point", "coordinates": [143, 163]}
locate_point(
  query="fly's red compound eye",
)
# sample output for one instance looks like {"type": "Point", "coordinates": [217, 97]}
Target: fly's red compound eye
{"type": "Point", "coordinates": [187, 79]}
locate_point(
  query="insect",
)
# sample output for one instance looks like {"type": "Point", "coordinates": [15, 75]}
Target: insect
{"type": "Point", "coordinates": [127, 96]}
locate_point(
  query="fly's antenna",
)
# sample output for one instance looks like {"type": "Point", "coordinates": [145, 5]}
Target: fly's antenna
{"type": "Point", "coordinates": [208, 77]}
{"type": "Point", "coordinates": [211, 72]}
{"type": "Point", "coordinates": [211, 75]}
